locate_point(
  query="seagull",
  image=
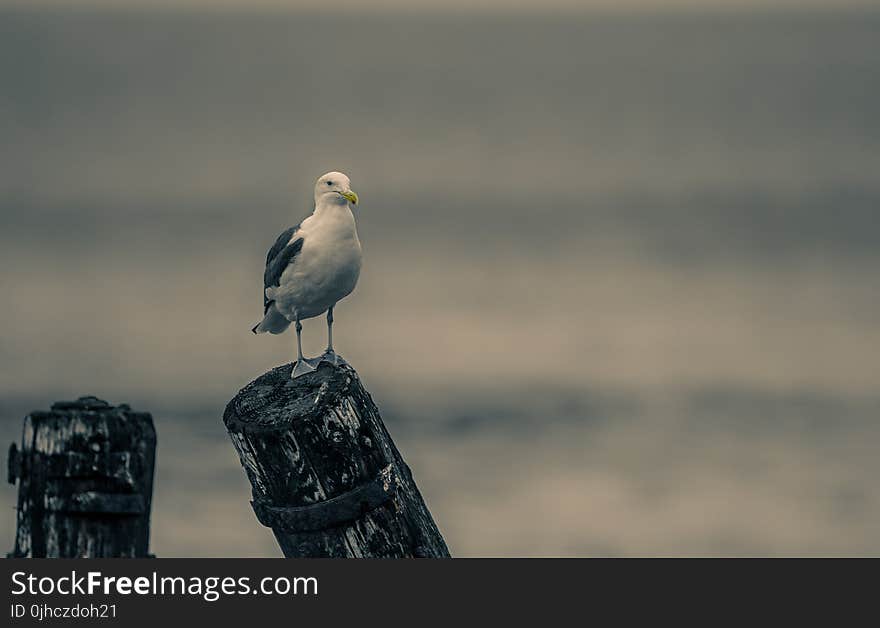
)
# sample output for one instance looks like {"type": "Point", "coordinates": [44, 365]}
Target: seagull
{"type": "Point", "coordinates": [311, 267]}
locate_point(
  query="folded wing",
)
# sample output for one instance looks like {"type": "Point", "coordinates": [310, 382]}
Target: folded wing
{"type": "Point", "coordinates": [282, 254]}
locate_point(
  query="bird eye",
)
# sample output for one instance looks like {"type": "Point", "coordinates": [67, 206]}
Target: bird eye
{"type": "Point", "coordinates": [329, 182]}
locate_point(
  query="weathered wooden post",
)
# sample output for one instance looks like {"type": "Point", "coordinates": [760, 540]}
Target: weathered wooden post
{"type": "Point", "coordinates": [85, 473]}
{"type": "Point", "coordinates": [326, 475]}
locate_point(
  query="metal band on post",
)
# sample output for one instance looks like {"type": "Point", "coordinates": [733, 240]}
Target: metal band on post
{"type": "Point", "coordinates": [331, 513]}
{"type": "Point", "coordinates": [325, 475]}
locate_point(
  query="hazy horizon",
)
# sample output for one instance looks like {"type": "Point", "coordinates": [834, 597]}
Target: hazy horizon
{"type": "Point", "coordinates": [619, 293]}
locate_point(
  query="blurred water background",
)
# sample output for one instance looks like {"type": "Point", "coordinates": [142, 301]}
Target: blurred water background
{"type": "Point", "coordinates": [620, 293]}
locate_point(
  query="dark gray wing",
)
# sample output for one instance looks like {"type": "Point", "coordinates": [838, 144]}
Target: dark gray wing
{"type": "Point", "coordinates": [280, 256]}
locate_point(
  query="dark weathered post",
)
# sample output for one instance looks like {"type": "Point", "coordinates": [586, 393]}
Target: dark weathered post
{"type": "Point", "coordinates": [85, 473]}
{"type": "Point", "coordinates": [326, 475]}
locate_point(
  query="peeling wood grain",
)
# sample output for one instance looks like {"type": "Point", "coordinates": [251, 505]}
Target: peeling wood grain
{"type": "Point", "coordinates": [324, 472]}
{"type": "Point", "coordinates": [85, 473]}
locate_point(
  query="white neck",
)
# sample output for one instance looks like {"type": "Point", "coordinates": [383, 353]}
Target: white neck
{"type": "Point", "coordinates": [332, 205]}
{"type": "Point", "coordinates": [330, 202]}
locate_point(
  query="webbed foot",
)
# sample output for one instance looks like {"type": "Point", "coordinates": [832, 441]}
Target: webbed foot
{"type": "Point", "coordinates": [302, 367]}
{"type": "Point", "coordinates": [331, 357]}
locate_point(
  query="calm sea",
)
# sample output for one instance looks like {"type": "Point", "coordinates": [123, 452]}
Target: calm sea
{"type": "Point", "coordinates": [620, 289]}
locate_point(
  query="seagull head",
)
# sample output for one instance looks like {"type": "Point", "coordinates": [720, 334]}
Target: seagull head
{"type": "Point", "coordinates": [334, 187]}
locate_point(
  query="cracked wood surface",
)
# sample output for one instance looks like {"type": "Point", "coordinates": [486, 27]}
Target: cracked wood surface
{"type": "Point", "coordinates": [85, 474]}
{"type": "Point", "coordinates": [324, 471]}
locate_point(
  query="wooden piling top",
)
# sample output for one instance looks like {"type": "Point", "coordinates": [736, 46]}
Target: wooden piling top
{"type": "Point", "coordinates": [274, 399]}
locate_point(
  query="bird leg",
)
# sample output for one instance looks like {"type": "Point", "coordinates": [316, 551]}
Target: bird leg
{"type": "Point", "coordinates": [302, 365]}
{"type": "Point", "coordinates": [330, 330]}
{"type": "Point", "coordinates": [330, 355]}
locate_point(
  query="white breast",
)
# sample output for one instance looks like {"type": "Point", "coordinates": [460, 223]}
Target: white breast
{"type": "Point", "coordinates": [326, 269]}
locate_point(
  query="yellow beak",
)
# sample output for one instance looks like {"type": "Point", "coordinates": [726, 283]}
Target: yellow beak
{"type": "Point", "coordinates": [351, 197]}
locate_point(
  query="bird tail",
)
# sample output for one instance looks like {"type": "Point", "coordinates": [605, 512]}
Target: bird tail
{"type": "Point", "coordinates": [273, 322]}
